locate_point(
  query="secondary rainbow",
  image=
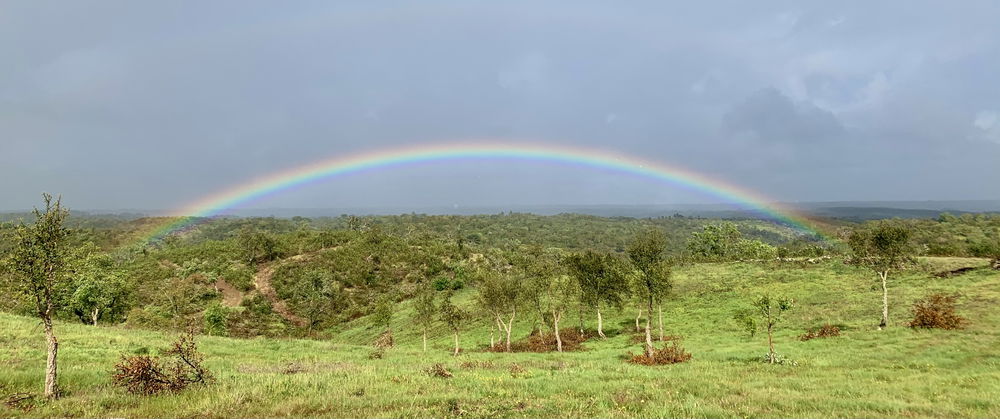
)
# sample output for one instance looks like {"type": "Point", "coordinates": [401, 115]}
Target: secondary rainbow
{"type": "Point", "coordinates": [274, 183]}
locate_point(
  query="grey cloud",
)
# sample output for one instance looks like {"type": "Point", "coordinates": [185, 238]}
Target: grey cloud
{"type": "Point", "coordinates": [772, 116]}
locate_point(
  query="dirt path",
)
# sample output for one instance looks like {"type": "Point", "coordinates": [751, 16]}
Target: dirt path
{"type": "Point", "coordinates": [231, 297]}
{"type": "Point", "coordinates": [263, 283]}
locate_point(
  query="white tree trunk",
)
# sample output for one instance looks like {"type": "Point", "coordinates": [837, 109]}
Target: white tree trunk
{"type": "Point", "coordinates": [600, 324]}
{"type": "Point", "coordinates": [885, 299]}
{"type": "Point", "coordinates": [95, 314]}
{"type": "Point", "coordinates": [770, 342]}
{"type": "Point", "coordinates": [555, 327]}
{"type": "Point", "coordinates": [51, 368]}
{"type": "Point", "coordinates": [637, 317]}
{"type": "Point", "coordinates": [425, 340]}
{"type": "Point", "coordinates": [649, 339]}
{"type": "Point", "coordinates": [659, 309]}
{"type": "Point", "coordinates": [456, 343]}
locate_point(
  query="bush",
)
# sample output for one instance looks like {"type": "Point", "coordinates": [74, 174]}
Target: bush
{"type": "Point", "coordinates": [936, 311]}
{"type": "Point", "coordinates": [538, 341]}
{"type": "Point", "coordinates": [824, 331]}
{"type": "Point", "coordinates": [668, 354]}
{"type": "Point", "coordinates": [438, 370]}
{"type": "Point", "coordinates": [147, 375]}
{"type": "Point", "coordinates": [216, 318]}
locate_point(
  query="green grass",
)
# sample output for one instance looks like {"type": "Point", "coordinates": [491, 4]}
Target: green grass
{"type": "Point", "coordinates": [897, 372]}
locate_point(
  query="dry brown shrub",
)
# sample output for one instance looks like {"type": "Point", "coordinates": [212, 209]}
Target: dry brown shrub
{"type": "Point", "coordinates": [937, 311]}
{"type": "Point", "coordinates": [641, 338]}
{"type": "Point", "coordinates": [147, 375]}
{"type": "Point", "coordinates": [384, 340]}
{"type": "Point", "coordinates": [669, 354]}
{"type": "Point", "coordinates": [824, 331]}
{"type": "Point", "coordinates": [538, 341]}
{"type": "Point", "coordinates": [477, 364]}
{"type": "Point", "coordinates": [24, 402]}
{"type": "Point", "coordinates": [516, 371]}
{"type": "Point", "coordinates": [438, 370]}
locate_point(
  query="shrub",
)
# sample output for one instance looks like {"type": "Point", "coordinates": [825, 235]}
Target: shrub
{"type": "Point", "coordinates": [539, 341]}
{"type": "Point", "coordinates": [668, 354]}
{"type": "Point", "coordinates": [824, 331]}
{"type": "Point", "coordinates": [216, 318]}
{"type": "Point", "coordinates": [147, 375]}
{"type": "Point", "coordinates": [438, 370]}
{"type": "Point", "coordinates": [936, 311]}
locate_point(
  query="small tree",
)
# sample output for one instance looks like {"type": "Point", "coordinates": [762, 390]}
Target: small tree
{"type": "Point", "coordinates": [316, 295]}
{"type": "Point", "coordinates": [256, 246]}
{"type": "Point", "coordinates": [881, 248]}
{"type": "Point", "coordinates": [453, 316]}
{"type": "Point", "coordinates": [559, 295]}
{"type": "Point", "coordinates": [425, 311]}
{"type": "Point", "coordinates": [38, 265]}
{"type": "Point", "coordinates": [500, 295]}
{"type": "Point", "coordinates": [603, 279]}
{"type": "Point", "coordinates": [100, 289]}
{"type": "Point", "coordinates": [770, 311]}
{"type": "Point", "coordinates": [382, 315]}
{"type": "Point", "coordinates": [646, 253]}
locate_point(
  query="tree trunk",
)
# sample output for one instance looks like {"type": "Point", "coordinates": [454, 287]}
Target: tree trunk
{"type": "Point", "coordinates": [456, 343]}
{"type": "Point", "coordinates": [637, 317]}
{"type": "Point", "coordinates": [51, 371]}
{"type": "Point", "coordinates": [509, 326]}
{"type": "Point", "coordinates": [649, 336]}
{"type": "Point", "coordinates": [492, 340]}
{"type": "Point", "coordinates": [555, 327]}
{"type": "Point", "coordinates": [770, 343]}
{"type": "Point", "coordinates": [659, 309]}
{"type": "Point", "coordinates": [95, 315]}
{"type": "Point", "coordinates": [425, 340]}
{"type": "Point", "coordinates": [885, 300]}
{"type": "Point", "coordinates": [600, 324]}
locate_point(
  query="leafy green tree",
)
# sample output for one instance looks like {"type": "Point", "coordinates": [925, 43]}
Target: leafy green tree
{"type": "Point", "coordinates": [453, 316]}
{"type": "Point", "coordinates": [256, 246]}
{"type": "Point", "coordinates": [562, 290]}
{"type": "Point", "coordinates": [382, 315]}
{"type": "Point", "coordinates": [500, 295]}
{"type": "Point", "coordinates": [724, 241]}
{"type": "Point", "coordinates": [603, 279]}
{"type": "Point", "coordinates": [646, 253]}
{"type": "Point", "coordinates": [101, 289]}
{"type": "Point", "coordinates": [425, 311]}
{"type": "Point", "coordinates": [38, 263]}
{"type": "Point", "coordinates": [216, 319]}
{"type": "Point", "coordinates": [316, 296]}
{"type": "Point", "coordinates": [771, 310]}
{"type": "Point", "coordinates": [881, 248]}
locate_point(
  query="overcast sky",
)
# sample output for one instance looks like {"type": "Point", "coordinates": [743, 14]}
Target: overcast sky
{"type": "Point", "coordinates": [136, 104]}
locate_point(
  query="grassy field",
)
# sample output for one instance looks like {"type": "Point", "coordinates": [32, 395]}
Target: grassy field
{"type": "Point", "coordinates": [897, 372]}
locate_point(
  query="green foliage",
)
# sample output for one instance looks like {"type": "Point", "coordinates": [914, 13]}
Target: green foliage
{"type": "Point", "coordinates": [256, 246]}
{"type": "Point", "coordinates": [603, 278]}
{"type": "Point", "coordinates": [882, 246]}
{"type": "Point", "coordinates": [382, 314]}
{"type": "Point", "coordinates": [216, 319]}
{"type": "Point", "coordinates": [725, 242]}
{"type": "Point", "coordinates": [38, 260]}
{"type": "Point", "coordinates": [646, 253]}
{"type": "Point", "coordinates": [747, 321]}
{"type": "Point", "coordinates": [451, 314]}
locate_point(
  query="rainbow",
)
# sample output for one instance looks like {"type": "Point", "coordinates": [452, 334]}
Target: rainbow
{"type": "Point", "coordinates": [218, 203]}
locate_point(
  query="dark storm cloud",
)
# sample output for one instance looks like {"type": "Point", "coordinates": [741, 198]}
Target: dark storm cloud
{"type": "Point", "coordinates": [134, 104]}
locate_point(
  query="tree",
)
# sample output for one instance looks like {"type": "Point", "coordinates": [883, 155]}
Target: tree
{"type": "Point", "coordinates": [881, 248]}
{"type": "Point", "coordinates": [500, 295]}
{"type": "Point", "coordinates": [38, 264]}
{"type": "Point", "coordinates": [603, 278]}
{"type": "Point", "coordinates": [425, 310]}
{"type": "Point", "coordinates": [100, 288]}
{"type": "Point", "coordinates": [453, 316]}
{"type": "Point", "coordinates": [256, 246]}
{"type": "Point", "coordinates": [316, 295]}
{"type": "Point", "coordinates": [724, 241]}
{"type": "Point", "coordinates": [559, 295]}
{"type": "Point", "coordinates": [382, 315]}
{"type": "Point", "coordinates": [646, 253]}
{"type": "Point", "coordinates": [771, 310]}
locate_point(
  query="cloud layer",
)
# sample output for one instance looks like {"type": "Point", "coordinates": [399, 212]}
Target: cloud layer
{"type": "Point", "coordinates": [122, 104]}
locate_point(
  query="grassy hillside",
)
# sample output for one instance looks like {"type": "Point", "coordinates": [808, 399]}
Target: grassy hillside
{"type": "Point", "coordinates": [865, 372]}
